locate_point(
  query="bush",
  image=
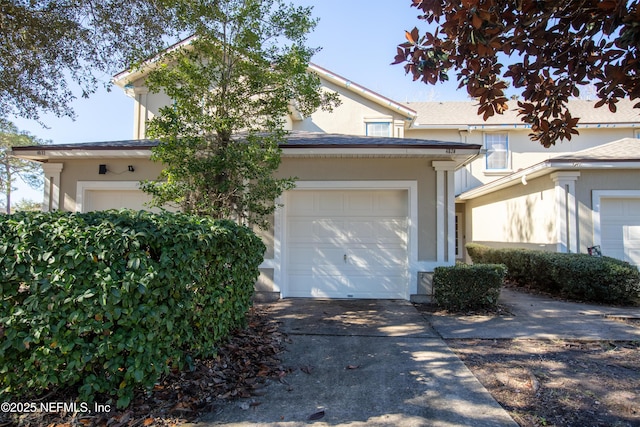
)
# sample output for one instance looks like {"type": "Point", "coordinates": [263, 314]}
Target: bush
{"type": "Point", "coordinates": [464, 287]}
{"type": "Point", "coordinates": [577, 276]}
{"type": "Point", "coordinates": [109, 301]}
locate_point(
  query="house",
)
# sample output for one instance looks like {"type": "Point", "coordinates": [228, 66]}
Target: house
{"type": "Point", "coordinates": [567, 198]}
{"type": "Point", "coordinates": [375, 204]}
{"type": "Point", "coordinates": [371, 209]}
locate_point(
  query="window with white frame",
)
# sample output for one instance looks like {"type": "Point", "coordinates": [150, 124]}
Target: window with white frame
{"type": "Point", "coordinates": [497, 146]}
{"type": "Point", "coordinates": [378, 129]}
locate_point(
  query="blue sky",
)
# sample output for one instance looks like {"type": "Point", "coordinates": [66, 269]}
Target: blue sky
{"type": "Point", "coordinates": [358, 40]}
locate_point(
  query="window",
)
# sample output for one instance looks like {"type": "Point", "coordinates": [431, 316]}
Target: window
{"type": "Point", "coordinates": [497, 145]}
{"type": "Point", "coordinates": [379, 129]}
{"type": "Point", "coordinates": [638, 134]}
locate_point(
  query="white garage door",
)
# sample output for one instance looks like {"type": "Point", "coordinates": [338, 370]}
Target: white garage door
{"type": "Point", "coordinates": [100, 200]}
{"type": "Point", "coordinates": [620, 229]}
{"type": "Point", "coordinates": [347, 244]}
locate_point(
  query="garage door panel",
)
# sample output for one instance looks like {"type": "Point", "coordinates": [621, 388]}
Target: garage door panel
{"type": "Point", "coordinates": [303, 258]}
{"type": "Point", "coordinates": [347, 243]}
{"type": "Point", "coordinates": [620, 228]}
{"type": "Point", "coordinates": [100, 200]}
{"type": "Point", "coordinates": [378, 258]}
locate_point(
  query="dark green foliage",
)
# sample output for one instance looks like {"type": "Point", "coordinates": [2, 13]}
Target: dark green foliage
{"type": "Point", "coordinates": [109, 301]}
{"type": "Point", "coordinates": [464, 287]}
{"type": "Point", "coordinates": [577, 276]}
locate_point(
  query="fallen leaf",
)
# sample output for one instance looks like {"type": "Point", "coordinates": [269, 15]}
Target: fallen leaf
{"type": "Point", "coordinates": [353, 366]}
{"type": "Point", "coordinates": [307, 369]}
{"type": "Point", "coordinates": [316, 415]}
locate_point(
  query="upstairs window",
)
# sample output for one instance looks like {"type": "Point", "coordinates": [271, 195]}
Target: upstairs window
{"type": "Point", "coordinates": [497, 146]}
{"type": "Point", "coordinates": [379, 129]}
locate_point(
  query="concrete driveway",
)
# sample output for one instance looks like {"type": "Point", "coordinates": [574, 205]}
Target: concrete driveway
{"type": "Point", "coordinates": [364, 363]}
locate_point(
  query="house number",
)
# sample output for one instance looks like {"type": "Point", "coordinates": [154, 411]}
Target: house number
{"type": "Point", "coordinates": [41, 152]}
{"type": "Point", "coordinates": [450, 150]}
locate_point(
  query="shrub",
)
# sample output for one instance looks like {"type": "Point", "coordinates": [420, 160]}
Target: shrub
{"type": "Point", "coordinates": [109, 301]}
{"type": "Point", "coordinates": [464, 287]}
{"type": "Point", "coordinates": [577, 276]}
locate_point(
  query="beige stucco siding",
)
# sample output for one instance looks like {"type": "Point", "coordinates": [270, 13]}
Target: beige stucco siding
{"type": "Point", "coordinates": [377, 169]}
{"type": "Point", "coordinates": [590, 180]}
{"type": "Point", "coordinates": [521, 215]}
{"type": "Point", "coordinates": [87, 170]}
{"type": "Point", "coordinates": [522, 151]}
{"type": "Point", "coordinates": [349, 118]}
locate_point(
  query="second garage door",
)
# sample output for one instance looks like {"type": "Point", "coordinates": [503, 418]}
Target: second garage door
{"type": "Point", "coordinates": [347, 244]}
{"type": "Point", "coordinates": [620, 228]}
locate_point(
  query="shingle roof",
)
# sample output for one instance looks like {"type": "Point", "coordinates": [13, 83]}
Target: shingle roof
{"type": "Point", "coordinates": [465, 113]}
{"type": "Point", "coordinates": [627, 149]}
{"type": "Point", "coordinates": [104, 145]}
{"type": "Point", "coordinates": [294, 140]}
{"type": "Point", "coordinates": [329, 140]}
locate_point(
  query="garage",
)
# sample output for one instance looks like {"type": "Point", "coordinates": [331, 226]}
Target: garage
{"type": "Point", "coordinates": [99, 200]}
{"type": "Point", "coordinates": [620, 228]}
{"type": "Point", "coordinates": [347, 244]}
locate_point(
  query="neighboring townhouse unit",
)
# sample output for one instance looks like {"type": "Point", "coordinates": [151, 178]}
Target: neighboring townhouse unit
{"type": "Point", "coordinates": [387, 191]}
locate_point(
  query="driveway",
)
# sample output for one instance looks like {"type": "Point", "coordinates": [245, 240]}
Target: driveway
{"type": "Point", "coordinates": [364, 363]}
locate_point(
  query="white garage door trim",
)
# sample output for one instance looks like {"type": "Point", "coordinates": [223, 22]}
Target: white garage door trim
{"type": "Point", "coordinates": [597, 197]}
{"type": "Point", "coordinates": [279, 261]}
{"type": "Point", "coordinates": [83, 186]}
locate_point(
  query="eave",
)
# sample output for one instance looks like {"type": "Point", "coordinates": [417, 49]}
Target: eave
{"type": "Point", "coordinates": [545, 168]}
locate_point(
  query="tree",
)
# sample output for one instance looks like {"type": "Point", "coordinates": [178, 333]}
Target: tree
{"type": "Point", "coordinates": [27, 205]}
{"type": "Point", "coordinates": [13, 167]}
{"type": "Point", "coordinates": [47, 47]}
{"type": "Point", "coordinates": [557, 47]}
{"type": "Point", "coordinates": [232, 87]}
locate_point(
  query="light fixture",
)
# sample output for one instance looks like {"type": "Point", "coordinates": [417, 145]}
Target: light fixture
{"type": "Point", "coordinates": [131, 169]}
{"type": "Point", "coordinates": [102, 169]}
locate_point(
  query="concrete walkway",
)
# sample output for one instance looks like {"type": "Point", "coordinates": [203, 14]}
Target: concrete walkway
{"type": "Point", "coordinates": [382, 363]}
{"type": "Point", "coordinates": [364, 363]}
{"type": "Point", "coordinates": [537, 317]}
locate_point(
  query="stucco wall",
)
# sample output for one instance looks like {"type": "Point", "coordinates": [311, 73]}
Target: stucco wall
{"type": "Point", "coordinates": [521, 215]}
{"type": "Point", "coordinates": [87, 170]}
{"type": "Point", "coordinates": [349, 118]}
{"type": "Point", "coordinates": [522, 151]}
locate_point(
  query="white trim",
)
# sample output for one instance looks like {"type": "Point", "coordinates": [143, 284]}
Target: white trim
{"type": "Point", "coordinates": [51, 194]}
{"type": "Point", "coordinates": [83, 186]}
{"type": "Point", "coordinates": [280, 254]}
{"type": "Point", "coordinates": [596, 200]}
{"type": "Point", "coordinates": [445, 211]}
{"type": "Point", "coordinates": [566, 218]}
{"type": "Point", "coordinates": [409, 114]}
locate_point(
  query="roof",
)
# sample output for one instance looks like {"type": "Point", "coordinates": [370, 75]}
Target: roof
{"type": "Point", "coordinates": [465, 113]}
{"type": "Point", "coordinates": [298, 143]}
{"type": "Point", "coordinates": [327, 140]}
{"type": "Point", "coordinates": [623, 150]}
{"type": "Point", "coordinates": [104, 145]}
{"type": "Point", "coordinates": [125, 78]}
{"type": "Point", "coordinates": [620, 154]}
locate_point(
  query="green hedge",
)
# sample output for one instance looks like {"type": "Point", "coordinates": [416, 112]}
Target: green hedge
{"type": "Point", "coordinates": [109, 301]}
{"type": "Point", "coordinates": [464, 287]}
{"type": "Point", "coordinates": [577, 276]}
